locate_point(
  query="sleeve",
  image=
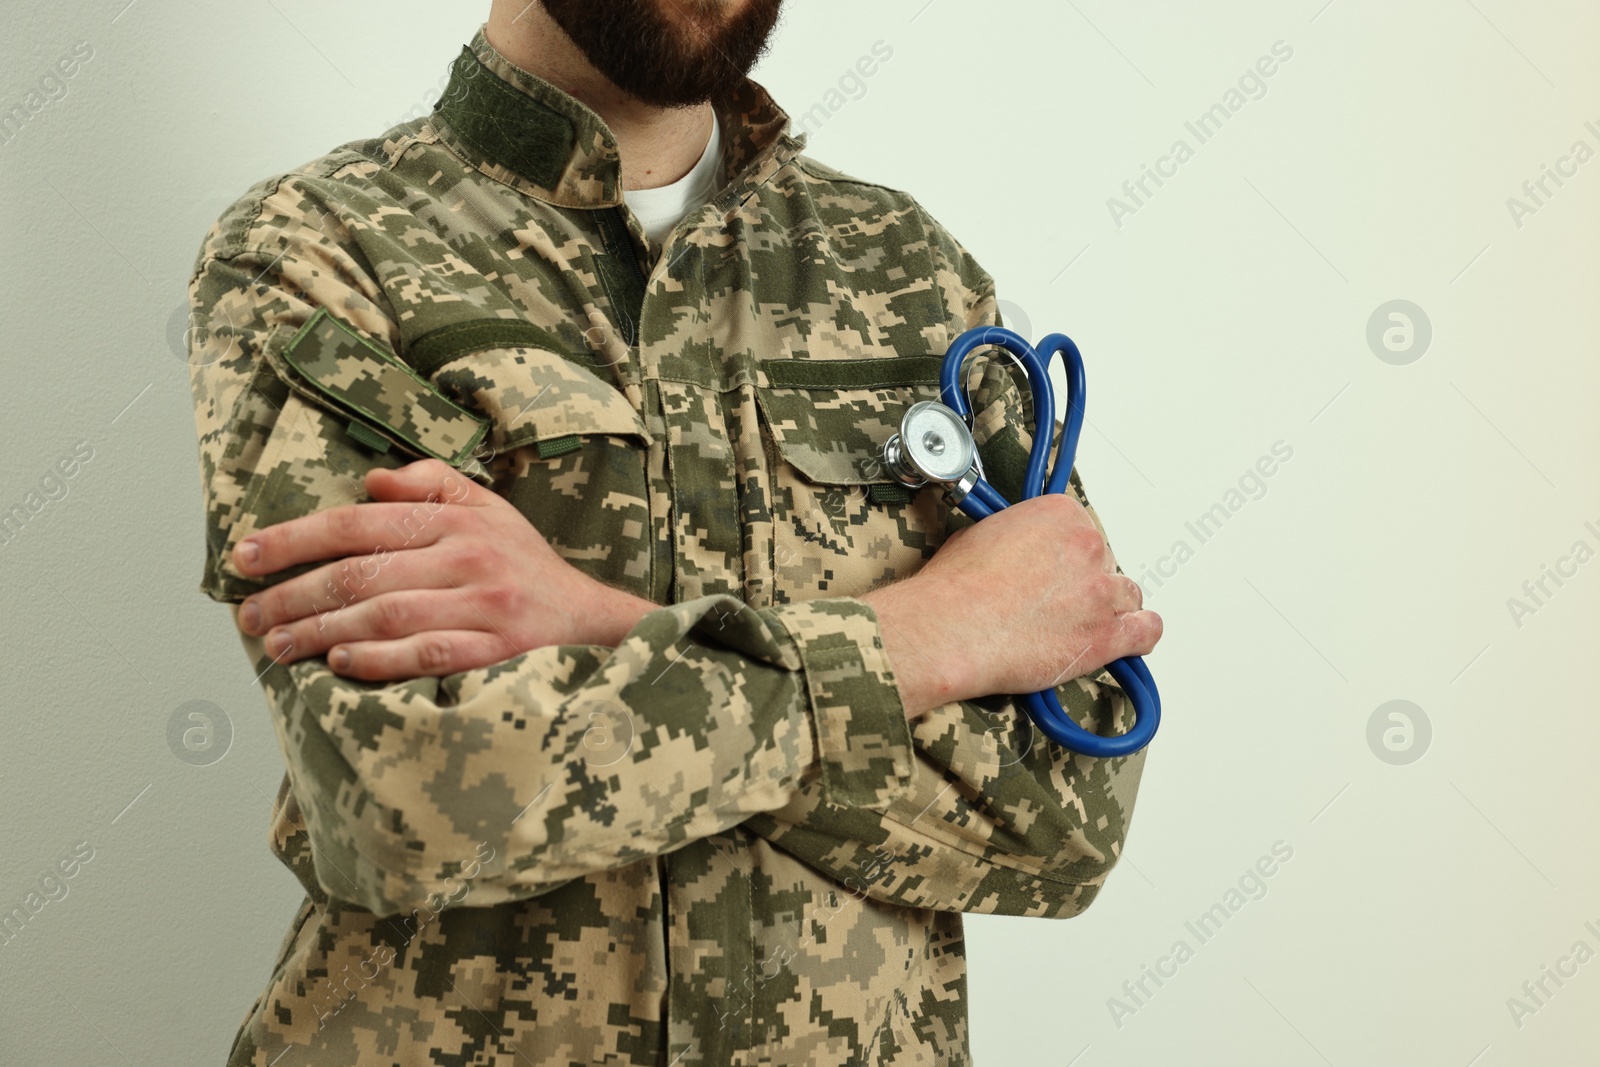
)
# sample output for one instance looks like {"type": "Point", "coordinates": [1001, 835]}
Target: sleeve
{"type": "Point", "coordinates": [558, 762]}
{"type": "Point", "coordinates": [998, 819]}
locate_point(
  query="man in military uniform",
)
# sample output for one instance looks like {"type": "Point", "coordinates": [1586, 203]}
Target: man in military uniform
{"type": "Point", "coordinates": [632, 713]}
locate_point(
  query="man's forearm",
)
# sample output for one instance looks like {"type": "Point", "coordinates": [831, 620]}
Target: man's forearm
{"type": "Point", "coordinates": [930, 657]}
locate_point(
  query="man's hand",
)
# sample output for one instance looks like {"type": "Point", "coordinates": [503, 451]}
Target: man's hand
{"type": "Point", "coordinates": [1020, 602]}
{"type": "Point", "coordinates": [437, 575]}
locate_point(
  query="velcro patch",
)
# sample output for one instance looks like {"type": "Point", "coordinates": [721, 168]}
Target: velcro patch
{"type": "Point", "coordinates": [365, 379]}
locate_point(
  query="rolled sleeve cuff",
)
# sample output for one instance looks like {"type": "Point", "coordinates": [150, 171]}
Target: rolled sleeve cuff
{"type": "Point", "coordinates": [863, 738]}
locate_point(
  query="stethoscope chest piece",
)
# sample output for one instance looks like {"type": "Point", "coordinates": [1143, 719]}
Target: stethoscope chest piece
{"type": "Point", "coordinates": [933, 445]}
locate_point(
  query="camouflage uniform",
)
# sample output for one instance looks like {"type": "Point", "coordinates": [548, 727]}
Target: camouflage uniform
{"type": "Point", "coordinates": [721, 842]}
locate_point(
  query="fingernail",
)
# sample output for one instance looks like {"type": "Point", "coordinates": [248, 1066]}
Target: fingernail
{"type": "Point", "coordinates": [277, 643]}
{"type": "Point", "coordinates": [250, 616]}
{"type": "Point", "coordinates": [247, 552]}
{"type": "Point", "coordinates": [339, 659]}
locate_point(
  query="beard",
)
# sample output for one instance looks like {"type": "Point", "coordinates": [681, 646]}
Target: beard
{"type": "Point", "coordinates": [669, 53]}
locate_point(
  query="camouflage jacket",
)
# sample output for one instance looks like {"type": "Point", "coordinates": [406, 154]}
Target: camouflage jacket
{"type": "Point", "coordinates": [720, 842]}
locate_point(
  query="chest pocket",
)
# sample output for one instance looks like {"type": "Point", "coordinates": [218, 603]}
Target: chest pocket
{"type": "Point", "coordinates": [841, 524]}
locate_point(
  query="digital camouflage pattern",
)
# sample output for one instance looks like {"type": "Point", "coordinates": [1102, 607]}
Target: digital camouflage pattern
{"type": "Point", "coordinates": [351, 371]}
{"type": "Point", "coordinates": [721, 842]}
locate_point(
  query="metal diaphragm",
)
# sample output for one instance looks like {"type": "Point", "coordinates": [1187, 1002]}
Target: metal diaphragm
{"type": "Point", "coordinates": [933, 445]}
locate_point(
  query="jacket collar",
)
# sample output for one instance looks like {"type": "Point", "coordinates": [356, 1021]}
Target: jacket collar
{"type": "Point", "coordinates": [521, 130]}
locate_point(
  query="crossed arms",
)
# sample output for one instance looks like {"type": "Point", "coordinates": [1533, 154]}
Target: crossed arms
{"type": "Point", "coordinates": [495, 693]}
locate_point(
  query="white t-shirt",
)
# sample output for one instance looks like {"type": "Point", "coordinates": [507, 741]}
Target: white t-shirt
{"type": "Point", "coordinates": [663, 208]}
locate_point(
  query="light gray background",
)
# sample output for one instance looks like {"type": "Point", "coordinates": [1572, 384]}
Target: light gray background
{"type": "Point", "coordinates": [1229, 312]}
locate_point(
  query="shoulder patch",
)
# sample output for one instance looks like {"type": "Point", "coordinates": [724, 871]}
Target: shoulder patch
{"type": "Point", "coordinates": [365, 380]}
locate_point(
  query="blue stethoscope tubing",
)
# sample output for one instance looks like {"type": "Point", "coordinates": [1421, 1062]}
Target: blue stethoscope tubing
{"type": "Point", "coordinates": [983, 500]}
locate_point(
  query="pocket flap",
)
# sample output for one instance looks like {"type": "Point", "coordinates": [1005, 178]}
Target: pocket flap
{"type": "Point", "coordinates": [328, 360]}
{"type": "Point", "coordinates": [530, 395]}
{"type": "Point", "coordinates": [831, 418]}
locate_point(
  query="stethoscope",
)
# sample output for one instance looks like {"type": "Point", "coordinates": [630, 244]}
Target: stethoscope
{"type": "Point", "coordinates": [935, 446]}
